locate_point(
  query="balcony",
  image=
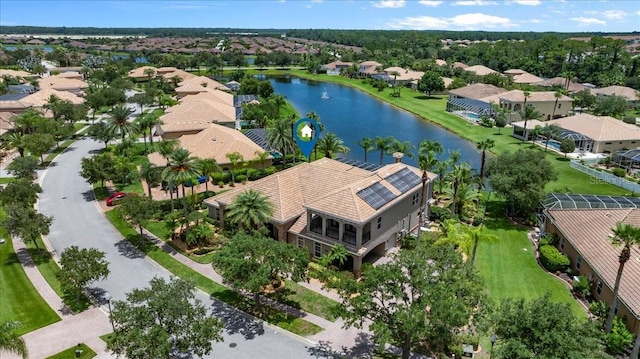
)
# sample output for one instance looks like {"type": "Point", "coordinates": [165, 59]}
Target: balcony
{"type": "Point", "coordinates": [349, 237]}
{"type": "Point", "coordinates": [366, 237]}
{"type": "Point", "coordinates": [316, 228]}
{"type": "Point", "coordinates": [333, 232]}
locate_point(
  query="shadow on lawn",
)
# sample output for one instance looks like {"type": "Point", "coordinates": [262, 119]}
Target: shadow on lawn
{"type": "Point", "coordinates": [495, 218]}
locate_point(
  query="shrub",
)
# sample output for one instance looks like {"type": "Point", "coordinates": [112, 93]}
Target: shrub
{"type": "Point", "coordinates": [619, 172]}
{"type": "Point", "coordinates": [253, 174]}
{"type": "Point", "coordinates": [620, 337]}
{"type": "Point", "coordinates": [552, 259]}
{"type": "Point", "coordinates": [629, 119]}
{"type": "Point", "coordinates": [439, 214]}
{"type": "Point", "coordinates": [220, 177]}
{"type": "Point", "coordinates": [582, 287]}
{"type": "Point", "coordinates": [268, 171]}
{"type": "Point", "coordinates": [241, 178]}
{"type": "Point", "coordinates": [599, 309]}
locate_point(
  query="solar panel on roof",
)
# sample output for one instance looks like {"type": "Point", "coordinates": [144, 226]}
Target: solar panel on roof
{"type": "Point", "coordinates": [360, 164]}
{"type": "Point", "coordinates": [403, 180]}
{"type": "Point", "coordinates": [376, 195]}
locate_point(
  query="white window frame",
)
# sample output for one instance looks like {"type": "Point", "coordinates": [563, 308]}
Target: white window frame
{"type": "Point", "coordinates": [379, 225]}
{"type": "Point", "coordinates": [599, 287]}
{"type": "Point", "coordinates": [578, 262]}
{"type": "Point", "coordinates": [300, 242]}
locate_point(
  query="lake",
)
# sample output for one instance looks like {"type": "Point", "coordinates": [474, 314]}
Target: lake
{"type": "Point", "coordinates": [352, 115]}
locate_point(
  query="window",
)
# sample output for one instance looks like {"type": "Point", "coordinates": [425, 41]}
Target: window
{"type": "Point", "coordinates": [317, 250]}
{"type": "Point", "coordinates": [599, 288]}
{"type": "Point", "coordinates": [578, 262]}
{"type": "Point", "coordinates": [617, 307]}
{"type": "Point", "coordinates": [416, 199]}
{"type": "Point", "coordinates": [379, 222]}
{"type": "Point", "coordinates": [608, 143]}
{"type": "Point", "coordinates": [300, 242]}
{"type": "Point", "coordinates": [562, 242]}
{"type": "Point", "coordinates": [559, 105]}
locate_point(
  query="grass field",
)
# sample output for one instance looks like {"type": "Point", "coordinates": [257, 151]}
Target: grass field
{"type": "Point", "coordinates": [285, 321]}
{"type": "Point", "coordinates": [18, 297]}
{"type": "Point", "coordinates": [70, 353]}
{"type": "Point", "coordinates": [509, 267]}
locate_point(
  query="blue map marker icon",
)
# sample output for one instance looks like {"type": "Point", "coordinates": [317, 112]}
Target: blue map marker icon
{"type": "Point", "coordinates": [306, 132]}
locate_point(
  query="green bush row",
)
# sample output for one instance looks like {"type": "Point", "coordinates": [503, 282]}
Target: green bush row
{"type": "Point", "coordinates": [241, 175]}
{"type": "Point", "coordinates": [552, 259]}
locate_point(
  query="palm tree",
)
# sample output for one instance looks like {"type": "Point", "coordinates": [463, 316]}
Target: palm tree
{"type": "Point", "coordinates": [147, 121]}
{"type": "Point", "coordinates": [382, 144]}
{"type": "Point", "coordinates": [528, 113]}
{"type": "Point", "coordinates": [558, 96]}
{"type": "Point", "coordinates": [279, 101]}
{"type": "Point", "coordinates": [235, 158]}
{"type": "Point", "coordinates": [119, 116]}
{"type": "Point", "coordinates": [262, 156]}
{"type": "Point", "coordinates": [250, 209]}
{"type": "Point", "coordinates": [477, 235]}
{"type": "Point", "coordinates": [150, 173]}
{"type": "Point", "coordinates": [331, 144]}
{"type": "Point", "coordinates": [627, 236]}
{"type": "Point", "coordinates": [404, 147]}
{"type": "Point", "coordinates": [484, 146]}
{"type": "Point", "coordinates": [427, 146]}
{"type": "Point", "coordinates": [280, 135]}
{"type": "Point", "coordinates": [441, 170]}
{"type": "Point", "coordinates": [166, 148]}
{"type": "Point", "coordinates": [426, 161]}
{"type": "Point", "coordinates": [10, 341]}
{"type": "Point", "coordinates": [367, 145]}
{"type": "Point", "coordinates": [14, 140]}
{"type": "Point", "coordinates": [549, 132]}
{"type": "Point", "coordinates": [459, 173]}
{"type": "Point", "coordinates": [207, 167]}
{"type": "Point", "coordinates": [182, 168]}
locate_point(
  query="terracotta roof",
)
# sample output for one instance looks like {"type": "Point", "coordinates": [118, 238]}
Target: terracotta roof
{"type": "Point", "coordinates": [201, 81]}
{"type": "Point", "coordinates": [7, 106]}
{"type": "Point", "coordinates": [15, 73]}
{"type": "Point", "coordinates": [526, 78]}
{"type": "Point", "coordinates": [589, 230]}
{"type": "Point", "coordinates": [531, 124]}
{"type": "Point", "coordinates": [215, 142]}
{"type": "Point", "coordinates": [514, 72]}
{"type": "Point", "coordinates": [626, 92]}
{"type": "Point", "coordinates": [70, 74]}
{"type": "Point", "coordinates": [599, 128]}
{"type": "Point", "coordinates": [62, 83]}
{"type": "Point", "coordinates": [440, 62]}
{"type": "Point", "coordinates": [6, 122]}
{"type": "Point", "coordinates": [460, 65]}
{"type": "Point", "coordinates": [139, 72]}
{"type": "Point", "coordinates": [447, 81]}
{"type": "Point", "coordinates": [324, 185]}
{"type": "Point", "coordinates": [561, 81]}
{"type": "Point", "coordinates": [403, 74]}
{"type": "Point", "coordinates": [180, 73]}
{"type": "Point", "coordinates": [477, 91]}
{"type": "Point", "coordinates": [480, 70]}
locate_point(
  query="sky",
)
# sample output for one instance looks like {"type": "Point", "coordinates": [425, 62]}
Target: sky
{"type": "Point", "coordinates": [490, 15]}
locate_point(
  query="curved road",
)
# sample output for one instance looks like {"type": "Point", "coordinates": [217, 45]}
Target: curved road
{"type": "Point", "coordinates": [78, 221]}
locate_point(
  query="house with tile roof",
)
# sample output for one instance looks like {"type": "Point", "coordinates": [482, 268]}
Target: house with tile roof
{"type": "Point", "coordinates": [215, 141]}
{"type": "Point", "coordinates": [64, 83]}
{"type": "Point", "coordinates": [627, 92]}
{"type": "Point", "coordinates": [561, 82]}
{"type": "Point", "coordinates": [543, 101]}
{"type": "Point", "coordinates": [522, 77]}
{"type": "Point", "coordinates": [595, 134]}
{"type": "Point", "coordinates": [480, 70]}
{"type": "Point", "coordinates": [366, 208]}
{"type": "Point", "coordinates": [368, 68]}
{"type": "Point", "coordinates": [18, 103]}
{"type": "Point", "coordinates": [585, 237]}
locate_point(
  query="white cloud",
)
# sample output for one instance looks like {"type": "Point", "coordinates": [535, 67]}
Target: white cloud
{"type": "Point", "coordinates": [527, 2]}
{"type": "Point", "coordinates": [432, 3]}
{"type": "Point", "coordinates": [475, 21]}
{"type": "Point", "coordinates": [474, 3]}
{"type": "Point", "coordinates": [616, 15]}
{"type": "Point", "coordinates": [536, 21]}
{"type": "Point", "coordinates": [389, 4]}
{"type": "Point", "coordinates": [586, 21]}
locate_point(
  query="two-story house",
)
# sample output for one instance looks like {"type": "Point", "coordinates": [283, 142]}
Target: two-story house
{"type": "Point", "coordinates": [366, 208]}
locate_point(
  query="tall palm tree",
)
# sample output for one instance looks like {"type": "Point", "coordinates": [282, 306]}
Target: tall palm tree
{"type": "Point", "coordinates": [279, 101]}
{"type": "Point", "coordinates": [404, 147]}
{"type": "Point", "coordinates": [331, 144]}
{"type": "Point", "coordinates": [477, 235]}
{"type": "Point", "coordinates": [208, 166]}
{"type": "Point", "coordinates": [427, 146]}
{"type": "Point", "coordinates": [441, 170]}
{"type": "Point", "coordinates": [250, 209]}
{"type": "Point", "coordinates": [10, 341]}
{"type": "Point", "coordinates": [235, 158]}
{"type": "Point", "coordinates": [147, 121]}
{"type": "Point", "coordinates": [280, 136]}
{"type": "Point", "coordinates": [15, 140]}
{"type": "Point", "coordinates": [166, 148]}
{"type": "Point", "coordinates": [459, 173]}
{"type": "Point", "coordinates": [182, 169]}
{"type": "Point", "coordinates": [151, 174]}
{"type": "Point", "coordinates": [528, 113]}
{"type": "Point", "coordinates": [549, 132]}
{"type": "Point", "coordinates": [484, 146]}
{"type": "Point", "coordinates": [367, 145]}
{"type": "Point", "coordinates": [558, 96]}
{"type": "Point", "coordinates": [262, 156]}
{"type": "Point", "coordinates": [119, 120]}
{"type": "Point", "coordinates": [426, 161]}
{"type": "Point", "coordinates": [625, 235]}
{"type": "Point", "coordinates": [382, 144]}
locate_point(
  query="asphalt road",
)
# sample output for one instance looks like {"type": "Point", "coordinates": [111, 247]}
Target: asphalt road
{"type": "Point", "coordinates": [79, 221]}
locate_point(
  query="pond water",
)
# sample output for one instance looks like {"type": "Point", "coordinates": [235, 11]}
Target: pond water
{"type": "Point", "coordinates": [352, 115]}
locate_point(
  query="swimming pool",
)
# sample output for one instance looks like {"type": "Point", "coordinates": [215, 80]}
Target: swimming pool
{"type": "Point", "coordinates": [470, 115]}
{"type": "Point", "coordinates": [553, 144]}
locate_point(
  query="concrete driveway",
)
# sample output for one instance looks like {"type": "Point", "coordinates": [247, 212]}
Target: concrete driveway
{"type": "Point", "coordinates": [78, 221]}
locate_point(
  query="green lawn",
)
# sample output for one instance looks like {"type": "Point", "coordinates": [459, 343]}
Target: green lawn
{"type": "Point", "coordinates": [71, 353]}
{"type": "Point", "coordinates": [509, 266]}
{"type": "Point", "coordinates": [5, 180]}
{"type": "Point", "coordinates": [288, 322]}
{"type": "Point", "coordinates": [18, 297]}
{"type": "Point", "coordinates": [79, 126]}
{"type": "Point", "coordinates": [433, 109]}
{"type": "Point", "coordinates": [49, 268]}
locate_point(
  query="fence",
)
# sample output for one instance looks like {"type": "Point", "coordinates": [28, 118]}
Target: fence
{"type": "Point", "coordinates": [605, 177]}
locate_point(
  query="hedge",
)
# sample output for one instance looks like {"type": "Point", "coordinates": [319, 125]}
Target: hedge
{"type": "Point", "coordinates": [552, 259]}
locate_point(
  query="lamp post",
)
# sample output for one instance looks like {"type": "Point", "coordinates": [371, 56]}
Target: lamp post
{"type": "Point", "coordinates": [107, 297]}
{"type": "Point", "coordinates": [493, 341]}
